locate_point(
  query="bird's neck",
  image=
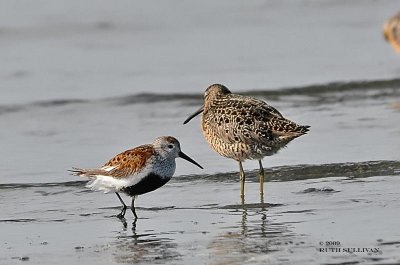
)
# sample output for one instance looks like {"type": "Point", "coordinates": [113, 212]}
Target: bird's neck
{"type": "Point", "coordinates": [165, 168]}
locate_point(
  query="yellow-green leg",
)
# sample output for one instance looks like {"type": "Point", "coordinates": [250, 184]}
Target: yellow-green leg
{"type": "Point", "coordinates": [261, 179]}
{"type": "Point", "coordinates": [242, 179]}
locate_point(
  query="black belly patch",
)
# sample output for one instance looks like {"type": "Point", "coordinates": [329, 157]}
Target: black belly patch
{"type": "Point", "coordinates": [149, 183]}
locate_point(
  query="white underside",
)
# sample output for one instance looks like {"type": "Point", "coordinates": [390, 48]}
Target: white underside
{"type": "Point", "coordinates": [110, 184]}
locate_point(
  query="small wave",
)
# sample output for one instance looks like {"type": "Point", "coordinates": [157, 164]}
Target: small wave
{"type": "Point", "coordinates": [282, 173]}
{"type": "Point", "coordinates": [323, 93]}
{"type": "Point", "coordinates": [30, 220]}
{"type": "Point", "coordinates": [20, 220]}
{"type": "Point", "coordinates": [383, 243]}
{"type": "Point", "coordinates": [302, 172]}
{"type": "Point", "coordinates": [250, 206]}
{"type": "Point", "coordinates": [10, 109]}
{"type": "Point", "coordinates": [301, 211]}
{"type": "Point", "coordinates": [153, 98]}
{"type": "Point", "coordinates": [5, 109]}
{"type": "Point", "coordinates": [319, 190]}
{"type": "Point", "coordinates": [384, 87]}
{"type": "Point", "coordinates": [332, 87]}
{"type": "Point", "coordinates": [43, 185]}
{"type": "Point", "coordinates": [58, 102]}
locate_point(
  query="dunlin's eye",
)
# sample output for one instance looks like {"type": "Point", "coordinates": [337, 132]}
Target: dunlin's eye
{"type": "Point", "coordinates": [170, 146]}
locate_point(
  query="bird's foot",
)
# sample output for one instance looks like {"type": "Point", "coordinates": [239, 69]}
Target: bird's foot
{"type": "Point", "coordinates": [123, 221]}
{"type": "Point", "coordinates": [121, 215]}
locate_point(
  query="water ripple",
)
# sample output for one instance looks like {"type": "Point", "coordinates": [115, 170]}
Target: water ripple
{"type": "Point", "coordinates": [319, 93]}
{"type": "Point", "coordinates": [282, 173]}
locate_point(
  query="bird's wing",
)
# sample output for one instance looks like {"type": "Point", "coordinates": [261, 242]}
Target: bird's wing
{"type": "Point", "coordinates": [250, 120]}
{"type": "Point", "coordinates": [122, 165]}
{"type": "Point", "coordinates": [129, 162]}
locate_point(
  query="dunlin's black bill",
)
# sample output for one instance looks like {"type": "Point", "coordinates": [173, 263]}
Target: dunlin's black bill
{"type": "Point", "coordinates": [184, 156]}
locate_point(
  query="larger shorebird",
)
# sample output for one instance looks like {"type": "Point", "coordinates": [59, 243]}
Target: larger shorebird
{"type": "Point", "coordinates": [137, 171]}
{"type": "Point", "coordinates": [240, 128]}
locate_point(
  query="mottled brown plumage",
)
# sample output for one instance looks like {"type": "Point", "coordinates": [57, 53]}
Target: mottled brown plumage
{"type": "Point", "coordinates": [130, 161]}
{"type": "Point", "coordinates": [240, 127]}
{"type": "Point", "coordinates": [123, 165]}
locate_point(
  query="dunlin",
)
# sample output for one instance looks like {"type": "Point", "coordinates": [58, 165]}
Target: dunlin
{"type": "Point", "coordinates": [137, 171]}
{"type": "Point", "coordinates": [240, 128]}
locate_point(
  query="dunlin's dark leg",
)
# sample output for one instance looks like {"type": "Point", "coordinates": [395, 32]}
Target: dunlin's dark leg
{"type": "Point", "coordinates": [242, 179]}
{"type": "Point", "coordinates": [133, 207]}
{"type": "Point", "coordinates": [122, 213]}
{"type": "Point", "coordinates": [261, 179]}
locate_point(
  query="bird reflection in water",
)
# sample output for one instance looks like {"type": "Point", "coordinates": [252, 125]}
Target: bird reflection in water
{"type": "Point", "coordinates": [144, 248]}
{"type": "Point", "coordinates": [256, 234]}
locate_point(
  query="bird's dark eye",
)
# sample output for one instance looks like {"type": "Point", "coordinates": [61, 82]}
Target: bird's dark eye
{"type": "Point", "coordinates": [170, 146]}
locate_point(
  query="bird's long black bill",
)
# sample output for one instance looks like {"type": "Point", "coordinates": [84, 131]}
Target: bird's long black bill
{"type": "Point", "coordinates": [194, 115]}
{"type": "Point", "coordinates": [182, 155]}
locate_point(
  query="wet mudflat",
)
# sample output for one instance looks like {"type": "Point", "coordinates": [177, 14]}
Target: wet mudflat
{"type": "Point", "coordinates": [80, 84]}
{"type": "Point", "coordinates": [64, 223]}
{"type": "Point", "coordinates": [325, 202]}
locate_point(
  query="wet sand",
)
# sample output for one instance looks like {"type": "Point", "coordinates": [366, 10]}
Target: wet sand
{"type": "Point", "coordinates": [83, 83]}
{"type": "Point", "coordinates": [313, 196]}
{"type": "Point", "coordinates": [64, 223]}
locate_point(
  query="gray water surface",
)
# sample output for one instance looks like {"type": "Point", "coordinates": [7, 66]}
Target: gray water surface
{"type": "Point", "coordinates": [54, 49]}
{"type": "Point", "coordinates": [83, 81]}
{"type": "Point", "coordinates": [337, 184]}
{"type": "Point", "coordinates": [65, 223]}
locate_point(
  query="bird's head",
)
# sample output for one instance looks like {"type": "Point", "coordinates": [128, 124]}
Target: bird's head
{"type": "Point", "coordinates": [169, 147]}
{"type": "Point", "coordinates": [215, 91]}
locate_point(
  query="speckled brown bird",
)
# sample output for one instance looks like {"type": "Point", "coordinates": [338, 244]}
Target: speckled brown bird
{"type": "Point", "coordinates": [391, 31]}
{"type": "Point", "coordinates": [137, 171]}
{"type": "Point", "coordinates": [240, 128]}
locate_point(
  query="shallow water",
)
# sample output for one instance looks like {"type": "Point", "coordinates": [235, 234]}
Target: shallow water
{"type": "Point", "coordinates": [56, 49]}
{"type": "Point", "coordinates": [82, 83]}
{"type": "Point", "coordinates": [64, 223]}
{"type": "Point", "coordinates": [314, 195]}
{"type": "Point", "coordinates": [342, 130]}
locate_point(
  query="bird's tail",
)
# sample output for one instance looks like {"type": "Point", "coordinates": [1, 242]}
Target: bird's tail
{"type": "Point", "coordinates": [98, 179]}
{"type": "Point", "coordinates": [304, 129]}
{"type": "Point", "coordinates": [89, 173]}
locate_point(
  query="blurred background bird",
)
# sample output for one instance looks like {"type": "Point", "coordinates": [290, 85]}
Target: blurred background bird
{"type": "Point", "coordinates": [391, 31]}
